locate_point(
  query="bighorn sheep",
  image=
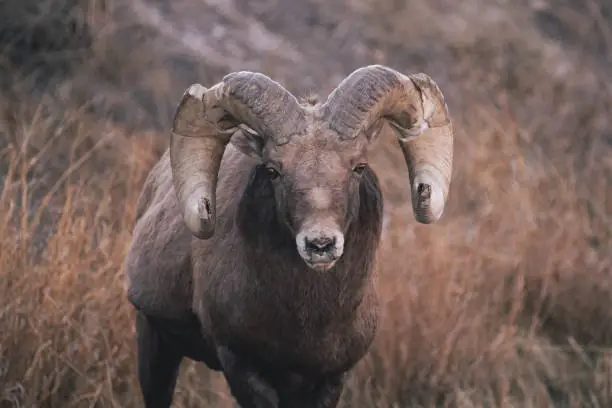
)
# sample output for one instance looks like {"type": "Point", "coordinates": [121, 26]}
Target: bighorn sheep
{"type": "Point", "coordinates": [256, 232]}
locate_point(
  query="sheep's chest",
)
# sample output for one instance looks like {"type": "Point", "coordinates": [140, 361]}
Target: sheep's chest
{"type": "Point", "coordinates": [294, 334]}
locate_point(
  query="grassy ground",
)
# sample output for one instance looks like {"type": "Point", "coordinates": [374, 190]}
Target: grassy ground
{"type": "Point", "coordinates": [507, 302]}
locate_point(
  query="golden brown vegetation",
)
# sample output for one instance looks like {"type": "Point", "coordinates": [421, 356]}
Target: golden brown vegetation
{"type": "Point", "coordinates": [507, 302]}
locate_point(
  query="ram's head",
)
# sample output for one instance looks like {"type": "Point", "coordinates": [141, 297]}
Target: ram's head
{"type": "Point", "coordinates": [313, 155]}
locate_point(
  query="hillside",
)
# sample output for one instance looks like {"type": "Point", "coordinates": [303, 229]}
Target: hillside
{"type": "Point", "coordinates": [506, 302]}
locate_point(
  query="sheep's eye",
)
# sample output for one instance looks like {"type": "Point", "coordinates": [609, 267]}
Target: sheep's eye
{"type": "Point", "coordinates": [272, 173]}
{"type": "Point", "coordinates": [360, 168]}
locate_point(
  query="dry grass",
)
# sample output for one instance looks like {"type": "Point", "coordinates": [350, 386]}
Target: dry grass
{"type": "Point", "coordinates": [506, 303]}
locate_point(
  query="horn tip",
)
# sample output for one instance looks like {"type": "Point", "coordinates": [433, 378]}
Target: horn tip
{"type": "Point", "coordinates": [427, 203]}
{"type": "Point", "coordinates": [199, 216]}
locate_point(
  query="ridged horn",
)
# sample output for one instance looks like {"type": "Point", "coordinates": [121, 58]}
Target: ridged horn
{"type": "Point", "coordinates": [416, 110]}
{"type": "Point", "coordinates": [203, 124]}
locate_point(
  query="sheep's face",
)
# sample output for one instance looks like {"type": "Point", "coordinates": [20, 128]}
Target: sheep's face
{"type": "Point", "coordinates": [315, 179]}
{"type": "Point", "coordinates": [314, 152]}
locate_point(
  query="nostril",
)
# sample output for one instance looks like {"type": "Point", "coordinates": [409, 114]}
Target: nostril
{"type": "Point", "coordinates": [321, 244]}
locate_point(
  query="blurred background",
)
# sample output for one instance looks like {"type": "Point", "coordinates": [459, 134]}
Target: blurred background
{"type": "Point", "coordinates": [506, 302]}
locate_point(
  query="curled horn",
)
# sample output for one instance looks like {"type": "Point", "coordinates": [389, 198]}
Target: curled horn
{"type": "Point", "coordinates": [415, 108]}
{"type": "Point", "coordinates": [203, 125]}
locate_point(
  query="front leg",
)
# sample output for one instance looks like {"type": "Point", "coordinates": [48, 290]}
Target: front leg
{"type": "Point", "coordinates": [325, 393]}
{"type": "Point", "coordinates": [158, 363]}
{"type": "Point", "coordinates": [246, 384]}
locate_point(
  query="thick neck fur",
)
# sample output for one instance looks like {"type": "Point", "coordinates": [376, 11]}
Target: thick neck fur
{"type": "Point", "coordinates": [273, 259]}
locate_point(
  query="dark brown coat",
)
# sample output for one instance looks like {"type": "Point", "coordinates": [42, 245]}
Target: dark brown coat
{"type": "Point", "coordinates": [266, 272]}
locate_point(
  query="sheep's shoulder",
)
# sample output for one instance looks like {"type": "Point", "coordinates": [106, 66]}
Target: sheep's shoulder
{"type": "Point", "coordinates": [158, 263]}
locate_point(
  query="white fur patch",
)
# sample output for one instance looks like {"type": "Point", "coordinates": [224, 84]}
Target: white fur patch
{"type": "Point", "coordinates": [329, 258]}
{"type": "Point", "coordinates": [197, 91]}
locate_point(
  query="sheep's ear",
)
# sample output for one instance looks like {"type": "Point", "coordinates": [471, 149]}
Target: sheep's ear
{"type": "Point", "coordinates": [248, 142]}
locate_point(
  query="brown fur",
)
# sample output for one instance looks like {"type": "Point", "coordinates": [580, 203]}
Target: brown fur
{"type": "Point", "coordinates": [247, 285]}
{"type": "Point", "coordinates": [276, 290]}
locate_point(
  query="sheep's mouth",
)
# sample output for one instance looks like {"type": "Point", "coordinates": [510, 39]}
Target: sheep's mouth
{"type": "Point", "coordinates": [321, 266]}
